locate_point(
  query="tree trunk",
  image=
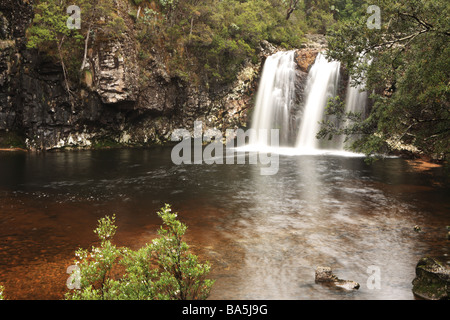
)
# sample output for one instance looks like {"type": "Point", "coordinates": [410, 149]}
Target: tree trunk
{"type": "Point", "coordinates": [86, 42]}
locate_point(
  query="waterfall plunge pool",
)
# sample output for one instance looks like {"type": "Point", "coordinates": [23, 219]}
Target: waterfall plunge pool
{"type": "Point", "coordinates": [264, 235]}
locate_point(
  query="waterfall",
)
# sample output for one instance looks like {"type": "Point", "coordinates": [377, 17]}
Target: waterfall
{"type": "Point", "coordinates": [275, 99]}
{"type": "Point", "coordinates": [275, 106]}
{"type": "Point", "coordinates": [356, 99]}
{"type": "Point", "coordinates": [322, 84]}
{"type": "Point", "coordinates": [355, 102]}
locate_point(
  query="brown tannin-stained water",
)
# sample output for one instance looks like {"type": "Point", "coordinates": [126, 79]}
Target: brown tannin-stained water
{"type": "Point", "coordinates": [264, 235]}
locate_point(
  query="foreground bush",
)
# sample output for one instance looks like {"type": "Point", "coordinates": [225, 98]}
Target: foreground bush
{"type": "Point", "coordinates": [163, 270]}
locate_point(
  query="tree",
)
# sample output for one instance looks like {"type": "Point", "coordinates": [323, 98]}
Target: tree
{"type": "Point", "coordinates": [164, 269]}
{"type": "Point", "coordinates": [100, 20]}
{"type": "Point", "coordinates": [291, 6]}
{"type": "Point", "coordinates": [408, 75]}
{"type": "Point", "coordinates": [231, 32]}
{"type": "Point", "coordinates": [49, 31]}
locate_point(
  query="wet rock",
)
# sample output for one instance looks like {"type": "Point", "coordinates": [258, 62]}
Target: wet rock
{"type": "Point", "coordinates": [347, 284]}
{"type": "Point", "coordinates": [325, 275]}
{"type": "Point", "coordinates": [305, 58]}
{"type": "Point", "coordinates": [432, 280]}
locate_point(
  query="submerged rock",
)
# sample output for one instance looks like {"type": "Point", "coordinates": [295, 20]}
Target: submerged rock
{"type": "Point", "coordinates": [432, 280]}
{"type": "Point", "coordinates": [325, 275]}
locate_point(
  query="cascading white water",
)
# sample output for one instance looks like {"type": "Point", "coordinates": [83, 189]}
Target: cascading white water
{"type": "Point", "coordinates": [356, 99]}
{"type": "Point", "coordinates": [355, 102]}
{"type": "Point", "coordinates": [274, 99]}
{"type": "Point", "coordinates": [322, 84]}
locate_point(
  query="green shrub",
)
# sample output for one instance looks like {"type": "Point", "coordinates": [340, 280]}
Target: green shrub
{"type": "Point", "coordinates": [162, 270]}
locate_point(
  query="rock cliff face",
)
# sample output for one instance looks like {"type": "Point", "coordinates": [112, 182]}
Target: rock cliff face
{"type": "Point", "coordinates": [13, 15]}
{"type": "Point", "coordinates": [111, 105]}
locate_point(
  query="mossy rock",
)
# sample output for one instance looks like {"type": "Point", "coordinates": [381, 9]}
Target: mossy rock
{"type": "Point", "coordinates": [88, 78]}
{"type": "Point", "coordinates": [11, 140]}
{"type": "Point", "coordinates": [432, 280]}
{"type": "Point", "coordinates": [106, 143]}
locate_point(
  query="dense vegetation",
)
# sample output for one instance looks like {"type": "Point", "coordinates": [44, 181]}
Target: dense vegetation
{"type": "Point", "coordinates": [406, 65]}
{"type": "Point", "coordinates": [205, 41]}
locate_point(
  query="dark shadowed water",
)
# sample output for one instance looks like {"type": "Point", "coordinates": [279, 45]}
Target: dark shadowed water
{"type": "Point", "coordinates": [264, 235]}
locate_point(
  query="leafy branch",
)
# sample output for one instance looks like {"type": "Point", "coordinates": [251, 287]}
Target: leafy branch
{"type": "Point", "coordinates": [164, 269]}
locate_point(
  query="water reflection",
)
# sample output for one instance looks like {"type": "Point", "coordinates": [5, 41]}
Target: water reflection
{"type": "Point", "coordinates": [265, 235]}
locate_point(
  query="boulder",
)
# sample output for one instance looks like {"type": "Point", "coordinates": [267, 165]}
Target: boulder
{"type": "Point", "coordinates": [432, 280]}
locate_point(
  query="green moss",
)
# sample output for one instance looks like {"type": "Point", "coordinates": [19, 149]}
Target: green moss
{"type": "Point", "coordinates": [106, 143]}
{"type": "Point", "coordinates": [10, 140]}
{"type": "Point", "coordinates": [431, 290]}
{"type": "Point", "coordinates": [88, 78]}
{"type": "Point", "coordinates": [432, 280]}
